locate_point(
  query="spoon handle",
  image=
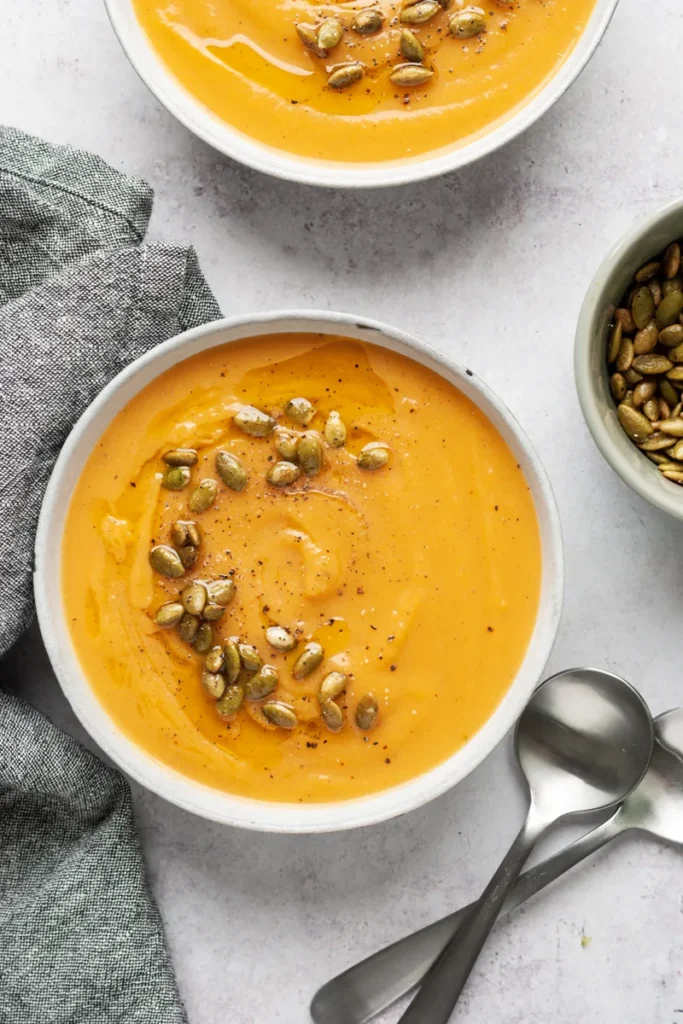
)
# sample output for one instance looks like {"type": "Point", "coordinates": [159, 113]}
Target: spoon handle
{"type": "Point", "coordinates": [444, 983]}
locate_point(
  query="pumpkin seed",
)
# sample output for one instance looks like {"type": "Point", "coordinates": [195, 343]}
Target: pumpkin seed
{"type": "Point", "coordinates": [676, 374]}
{"type": "Point", "coordinates": [672, 260]}
{"type": "Point", "coordinates": [221, 591]}
{"type": "Point", "coordinates": [651, 363]}
{"type": "Point", "coordinates": [632, 377]}
{"type": "Point", "coordinates": [677, 451]}
{"type": "Point", "coordinates": [254, 422]}
{"type": "Point", "coordinates": [180, 457]}
{"type": "Point", "coordinates": [176, 478]}
{"type": "Point", "coordinates": [309, 37]}
{"type": "Point", "coordinates": [413, 50]}
{"type": "Point", "coordinates": [203, 642]}
{"type": "Point", "coordinates": [646, 339]}
{"type": "Point", "coordinates": [215, 659]}
{"type": "Point", "coordinates": [166, 561]}
{"type": "Point", "coordinates": [250, 658]}
{"type": "Point", "coordinates": [669, 309]}
{"type": "Point", "coordinates": [637, 426]}
{"type": "Point", "coordinates": [614, 343]}
{"type": "Point", "coordinates": [625, 355]}
{"type": "Point", "coordinates": [625, 318]}
{"type": "Point", "coordinates": [675, 284]}
{"type": "Point", "coordinates": [671, 336]}
{"type": "Point", "coordinates": [643, 392]}
{"type": "Point", "coordinates": [310, 453]}
{"type": "Point", "coordinates": [367, 22]}
{"type": "Point", "coordinates": [282, 474]}
{"type": "Point", "coordinates": [656, 290]}
{"type": "Point", "coordinates": [193, 598]}
{"type": "Point", "coordinates": [184, 532]}
{"type": "Point", "coordinates": [366, 712]}
{"type": "Point", "coordinates": [673, 427]}
{"type": "Point", "coordinates": [651, 410]}
{"type": "Point", "coordinates": [262, 683]}
{"type": "Point", "coordinates": [309, 659]}
{"type": "Point", "coordinates": [667, 391]}
{"type": "Point", "coordinates": [213, 612]}
{"type": "Point", "coordinates": [617, 386]}
{"type": "Point", "coordinates": [169, 615]}
{"type": "Point", "coordinates": [647, 271]}
{"type": "Point", "coordinates": [203, 496]}
{"type": "Point", "coordinates": [676, 354]}
{"type": "Point", "coordinates": [187, 555]}
{"type": "Point", "coordinates": [279, 638]}
{"type": "Point", "coordinates": [642, 307]}
{"type": "Point", "coordinates": [213, 683]}
{"type": "Point", "coordinates": [420, 13]}
{"type": "Point", "coordinates": [656, 457]}
{"type": "Point", "coordinates": [231, 701]}
{"type": "Point", "coordinates": [332, 686]}
{"type": "Point", "coordinates": [410, 74]}
{"type": "Point", "coordinates": [346, 74]}
{"type": "Point", "coordinates": [286, 442]}
{"type": "Point", "coordinates": [188, 627]}
{"type": "Point", "coordinates": [372, 457]}
{"type": "Point", "coordinates": [330, 33]}
{"type": "Point", "coordinates": [467, 23]}
{"type": "Point", "coordinates": [656, 442]}
{"type": "Point", "coordinates": [332, 716]}
{"type": "Point", "coordinates": [281, 714]}
{"type": "Point", "coordinates": [231, 471]}
{"type": "Point", "coordinates": [675, 476]}
{"type": "Point", "coordinates": [335, 428]}
{"type": "Point", "coordinates": [676, 411]}
{"type": "Point", "coordinates": [664, 410]}
{"type": "Point", "coordinates": [233, 662]}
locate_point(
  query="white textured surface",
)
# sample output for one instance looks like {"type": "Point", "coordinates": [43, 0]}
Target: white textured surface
{"type": "Point", "coordinates": [490, 264]}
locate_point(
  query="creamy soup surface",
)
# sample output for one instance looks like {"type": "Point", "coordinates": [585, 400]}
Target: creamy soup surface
{"type": "Point", "coordinates": [420, 579]}
{"type": "Point", "coordinates": [244, 60]}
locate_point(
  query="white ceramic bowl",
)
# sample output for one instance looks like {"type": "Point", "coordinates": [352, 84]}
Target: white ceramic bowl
{"type": "Point", "coordinates": [644, 240]}
{"type": "Point", "coordinates": [195, 116]}
{"type": "Point", "coordinates": [193, 796]}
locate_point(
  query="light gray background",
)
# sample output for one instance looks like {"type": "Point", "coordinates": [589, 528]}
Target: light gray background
{"type": "Point", "coordinates": [491, 265]}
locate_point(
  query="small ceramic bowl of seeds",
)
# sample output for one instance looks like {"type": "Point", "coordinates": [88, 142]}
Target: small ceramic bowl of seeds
{"type": "Point", "coordinates": [629, 359]}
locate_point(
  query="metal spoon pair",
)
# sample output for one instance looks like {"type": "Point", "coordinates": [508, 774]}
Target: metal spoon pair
{"type": "Point", "coordinates": [655, 806]}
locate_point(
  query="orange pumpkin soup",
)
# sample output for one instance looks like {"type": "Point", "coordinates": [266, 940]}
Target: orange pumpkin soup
{"type": "Point", "coordinates": [246, 62]}
{"type": "Point", "coordinates": [419, 578]}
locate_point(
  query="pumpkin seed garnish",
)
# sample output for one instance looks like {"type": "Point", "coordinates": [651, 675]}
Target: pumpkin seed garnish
{"type": "Point", "coordinates": [213, 683]}
{"type": "Point", "coordinates": [187, 555]}
{"type": "Point", "coordinates": [673, 427]}
{"type": "Point", "coordinates": [368, 21]}
{"type": "Point", "coordinates": [176, 478]}
{"type": "Point", "coordinates": [282, 474]}
{"type": "Point", "coordinates": [221, 591]}
{"type": "Point", "coordinates": [280, 638]}
{"type": "Point", "coordinates": [651, 363]}
{"type": "Point", "coordinates": [193, 598]}
{"type": "Point", "coordinates": [467, 23]}
{"type": "Point", "coordinates": [332, 716]}
{"type": "Point", "coordinates": [646, 339]}
{"type": "Point", "coordinates": [413, 50]}
{"type": "Point", "coordinates": [233, 662]}
{"type": "Point", "coordinates": [335, 428]}
{"type": "Point", "coordinates": [250, 657]}
{"type": "Point", "coordinates": [231, 701]}
{"type": "Point", "coordinates": [189, 627]}
{"type": "Point", "coordinates": [624, 356]}
{"type": "Point", "coordinates": [184, 532]}
{"type": "Point", "coordinates": [410, 74]}
{"type": "Point", "coordinates": [310, 453]}
{"type": "Point", "coordinates": [643, 392]}
{"type": "Point", "coordinates": [651, 409]}
{"type": "Point", "coordinates": [346, 74]}
{"type": "Point", "coordinates": [309, 659]}
{"type": "Point", "coordinates": [332, 686]}
{"type": "Point", "coordinates": [300, 410]}
{"type": "Point", "coordinates": [213, 612]}
{"type": "Point", "coordinates": [309, 37]}
{"type": "Point", "coordinates": [203, 496]}
{"type": "Point", "coordinates": [286, 442]}
{"type": "Point", "coordinates": [637, 426]}
{"type": "Point", "coordinates": [166, 561]}
{"type": "Point", "coordinates": [617, 386]}
{"type": "Point", "coordinates": [262, 683]}
{"type": "Point", "coordinates": [254, 422]}
{"type": "Point", "coordinates": [671, 336]}
{"type": "Point", "coordinates": [330, 33]}
{"type": "Point", "coordinates": [669, 309]}
{"type": "Point", "coordinates": [215, 659]}
{"type": "Point", "coordinates": [169, 615]}
{"type": "Point", "coordinates": [280, 714]}
{"type": "Point", "coordinates": [203, 641]}
{"type": "Point", "coordinates": [419, 13]}
{"type": "Point", "coordinates": [366, 712]}
{"type": "Point", "coordinates": [656, 442]}
{"type": "Point", "coordinates": [231, 470]}
{"type": "Point", "coordinates": [642, 306]}
{"type": "Point", "coordinates": [180, 457]}
{"type": "Point", "coordinates": [372, 456]}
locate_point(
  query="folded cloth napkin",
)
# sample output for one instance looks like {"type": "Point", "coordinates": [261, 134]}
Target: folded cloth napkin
{"type": "Point", "coordinates": [81, 941]}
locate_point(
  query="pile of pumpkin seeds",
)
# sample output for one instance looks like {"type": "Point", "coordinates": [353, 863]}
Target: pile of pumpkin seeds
{"type": "Point", "coordinates": [233, 671]}
{"type": "Point", "coordinates": [645, 358]}
{"type": "Point", "coordinates": [412, 68]}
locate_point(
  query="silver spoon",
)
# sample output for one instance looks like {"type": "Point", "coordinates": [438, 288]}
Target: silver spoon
{"type": "Point", "coordinates": [584, 741]}
{"type": "Point", "coordinates": [655, 806]}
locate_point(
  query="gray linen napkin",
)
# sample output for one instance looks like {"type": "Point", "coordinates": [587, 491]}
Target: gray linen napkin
{"type": "Point", "coordinates": [81, 940]}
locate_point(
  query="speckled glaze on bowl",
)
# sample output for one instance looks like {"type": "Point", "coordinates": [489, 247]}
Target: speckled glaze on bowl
{"type": "Point", "coordinates": [644, 240]}
{"type": "Point", "coordinates": [164, 780]}
{"type": "Point", "coordinates": [226, 139]}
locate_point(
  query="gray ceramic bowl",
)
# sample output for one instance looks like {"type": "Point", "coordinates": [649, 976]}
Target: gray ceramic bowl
{"type": "Point", "coordinates": [648, 237]}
